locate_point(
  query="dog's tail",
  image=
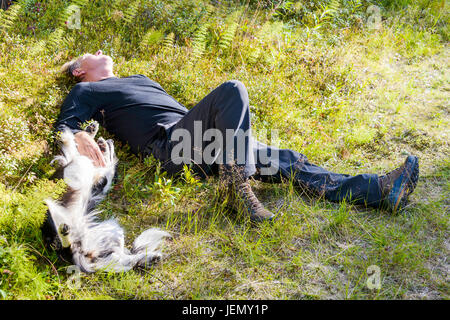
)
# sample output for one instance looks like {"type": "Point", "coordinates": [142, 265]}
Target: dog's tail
{"type": "Point", "coordinates": [146, 246]}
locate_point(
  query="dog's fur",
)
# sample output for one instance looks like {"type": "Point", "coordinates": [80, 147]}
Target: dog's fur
{"type": "Point", "coordinates": [72, 226]}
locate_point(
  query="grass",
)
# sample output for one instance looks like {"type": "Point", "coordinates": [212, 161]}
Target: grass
{"type": "Point", "coordinates": [353, 100]}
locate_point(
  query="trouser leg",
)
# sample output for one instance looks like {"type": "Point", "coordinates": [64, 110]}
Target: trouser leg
{"type": "Point", "coordinates": [226, 109]}
{"type": "Point", "coordinates": [221, 119]}
{"type": "Point", "coordinates": [273, 164]}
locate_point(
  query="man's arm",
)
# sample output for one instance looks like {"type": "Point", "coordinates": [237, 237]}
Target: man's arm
{"type": "Point", "coordinates": [76, 109]}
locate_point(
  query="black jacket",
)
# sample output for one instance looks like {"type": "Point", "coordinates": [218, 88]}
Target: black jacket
{"type": "Point", "coordinates": [133, 108]}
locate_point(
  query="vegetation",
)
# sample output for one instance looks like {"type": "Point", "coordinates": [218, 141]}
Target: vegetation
{"type": "Point", "coordinates": [353, 87]}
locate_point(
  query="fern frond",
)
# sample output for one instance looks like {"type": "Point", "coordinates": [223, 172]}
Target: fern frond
{"type": "Point", "coordinates": [80, 3]}
{"type": "Point", "coordinates": [253, 57]}
{"type": "Point", "coordinates": [355, 5]}
{"type": "Point", "coordinates": [335, 5]}
{"type": "Point", "coordinates": [262, 37]}
{"type": "Point", "coordinates": [168, 41]}
{"type": "Point", "coordinates": [25, 4]}
{"type": "Point", "coordinates": [131, 12]}
{"type": "Point", "coordinates": [199, 42]}
{"type": "Point", "coordinates": [151, 37]}
{"type": "Point", "coordinates": [331, 10]}
{"type": "Point", "coordinates": [117, 5]}
{"type": "Point", "coordinates": [55, 39]}
{"type": "Point", "coordinates": [230, 31]}
{"type": "Point", "coordinates": [265, 38]}
{"type": "Point", "coordinates": [265, 33]}
{"type": "Point", "coordinates": [10, 16]}
{"type": "Point", "coordinates": [38, 48]}
{"type": "Point", "coordinates": [209, 9]}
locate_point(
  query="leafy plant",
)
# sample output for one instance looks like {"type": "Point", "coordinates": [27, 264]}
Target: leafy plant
{"type": "Point", "coordinates": [199, 42]}
{"type": "Point", "coordinates": [152, 37]}
{"type": "Point", "coordinates": [131, 12]}
{"type": "Point", "coordinates": [231, 25]}
{"type": "Point", "coordinates": [162, 189]}
{"type": "Point", "coordinates": [8, 17]}
{"type": "Point", "coordinates": [169, 41]}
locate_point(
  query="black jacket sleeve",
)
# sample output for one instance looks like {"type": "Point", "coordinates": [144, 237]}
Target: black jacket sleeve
{"type": "Point", "coordinates": [77, 108]}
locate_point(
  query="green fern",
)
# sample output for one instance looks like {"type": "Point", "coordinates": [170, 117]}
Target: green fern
{"type": "Point", "coordinates": [117, 5]}
{"type": "Point", "coordinates": [131, 12]}
{"type": "Point", "coordinates": [256, 53]}
{"type": "Point", "coordinates": [168, 41]}
{"type": "Point", "coordinates": [9, 17]}
{"type": "Point", "coordinates": [228, 36]}
{"type": "Point", "coordinates": [56, 39]}
{"type": "Point", "coordinates": [199, 42]}
{"type": "Point", "coordinates": [331, 10]}
{"type": "Point", "coordinates": [209, 9]}
{"type": "Point", "coordinates": [38, 48]}
{"type": "Point", "coordinates": [151, 37]}
{"type": "Point", "coordinates": [328, 13]}
{"type": "Point", "coordinates": [355, 5]}
{"type": "Point", "coordinates": [263, 36]}
{"type": "Point", "coordinates": [80, 3]}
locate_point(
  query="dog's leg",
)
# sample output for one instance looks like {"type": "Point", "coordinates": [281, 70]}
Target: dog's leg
{"type": "Point", "coordinates": [107, 148]}
{"type": "Point", "coordinates": [69, 147]}
{"type": "Point", "coordinates": [112, 154]}
{"type": "Point", "coordinates": [63, 232]}
{"type": "Point", "coordinates": [60, 219]}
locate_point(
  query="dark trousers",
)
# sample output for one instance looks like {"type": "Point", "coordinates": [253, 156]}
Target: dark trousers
{"type": "Point", "coordinates": [227, 107]}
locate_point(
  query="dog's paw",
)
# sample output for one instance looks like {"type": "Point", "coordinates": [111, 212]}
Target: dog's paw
{"type": "Point", "coordinates": [92, 128]}
{"type": "Point", "coordinates": [107, 148]}
{"type": "Point", "coordinates": [102, 144]}
{"type": "Point", "coordinates": [63, 230]}
{"type": "Point", "coordinates": [156, 257]}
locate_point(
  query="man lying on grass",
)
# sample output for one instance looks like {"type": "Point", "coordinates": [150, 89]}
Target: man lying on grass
{"type": "Point", "coordinates": [138, 111]}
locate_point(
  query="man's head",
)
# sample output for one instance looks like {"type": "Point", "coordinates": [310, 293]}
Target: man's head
{"type": "Point", "coordinates": [90, 67]}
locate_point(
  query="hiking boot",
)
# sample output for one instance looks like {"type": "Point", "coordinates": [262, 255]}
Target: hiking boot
{"type": "Point", "coordinates": [240, 196]}
{"type": "Point", "coordinates": [398, 184]}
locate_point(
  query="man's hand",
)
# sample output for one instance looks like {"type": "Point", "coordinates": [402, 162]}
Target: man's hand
{"type": "Point", "coordinates": [87, 146]}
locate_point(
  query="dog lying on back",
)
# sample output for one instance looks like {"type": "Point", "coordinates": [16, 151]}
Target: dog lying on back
{"type": "Point", "coordinates": [72, 227]}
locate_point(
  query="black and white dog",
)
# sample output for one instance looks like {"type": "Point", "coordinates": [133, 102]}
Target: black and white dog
{"type": "Point", "coordinates": [72, 227]}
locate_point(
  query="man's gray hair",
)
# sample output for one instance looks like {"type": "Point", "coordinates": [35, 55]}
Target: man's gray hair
{"type": "Point", "coordinates": [68, 67]}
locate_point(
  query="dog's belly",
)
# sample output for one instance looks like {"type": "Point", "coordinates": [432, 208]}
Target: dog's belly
{"type": "Point", "coordinates": [79, 173]}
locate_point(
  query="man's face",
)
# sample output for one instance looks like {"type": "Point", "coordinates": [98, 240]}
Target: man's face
{"type": "Point", "coordinates": [95, 64]}
{"type": "Point", "coordinates": [95, 61]}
